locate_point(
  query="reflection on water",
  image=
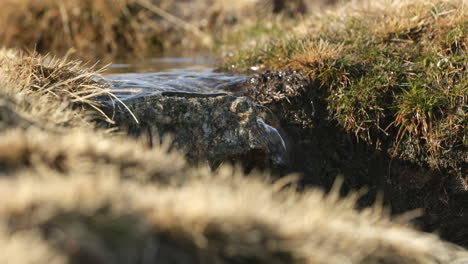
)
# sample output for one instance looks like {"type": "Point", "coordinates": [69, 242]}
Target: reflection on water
{"type": "Point", "coordinates": [159, 64]}
{"type": "Point", "coordinates": [187, 75]}
{"type": "Point", "coordinates": [190, 75]}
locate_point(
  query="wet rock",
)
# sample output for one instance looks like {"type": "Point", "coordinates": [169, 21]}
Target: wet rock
{"type": "Point", "coordinates": [213, 127]}
{"type": "Point", "coordinates": [286, 93]}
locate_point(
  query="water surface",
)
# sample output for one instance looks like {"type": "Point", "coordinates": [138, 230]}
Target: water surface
{"type": "Point", "coordinates": [187, 75]}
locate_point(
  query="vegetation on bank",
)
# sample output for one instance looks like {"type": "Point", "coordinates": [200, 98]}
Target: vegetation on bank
{"type": "Point", "coordinates": [110, 28]}
{"type": "Point", "coordinates": [88, 26]}
{"type": "Point", "coordinates": [48, 92]}
{"type": "Point", "coordinates": [75, 194]}
{"type": "Point", "coordinates": [395, 73]}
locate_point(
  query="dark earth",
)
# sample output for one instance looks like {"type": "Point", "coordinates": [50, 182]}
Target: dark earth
{"type": "Point", "coordinates": [323, 151]}
{"type": "Point", "coordinates": [281, 121]}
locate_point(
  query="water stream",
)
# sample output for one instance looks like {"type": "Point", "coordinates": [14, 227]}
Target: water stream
{"type": "Point", "coordinates": [185, 75]}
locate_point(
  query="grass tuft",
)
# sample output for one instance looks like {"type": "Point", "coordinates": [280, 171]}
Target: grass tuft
{"type": "Point", "coordinates": [73, 194]}
{"type": "Point", "coordinates": [90, 27]}
{"type": "Point", "coordinates": [128, 28]}
{"type": "Point", "coordinates": [391, 71]}
{"type": "Point", "coordinates": [50, 91]}
{"type": "Point", "coordinates": [101, 216]}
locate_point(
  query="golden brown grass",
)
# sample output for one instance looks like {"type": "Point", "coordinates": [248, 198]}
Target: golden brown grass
{"type": "Point", "coordinates": [81, 153]}
{"type": "Point", "coordinates": [14, 247]}
{"type": "Point", "coordinates": [71, 194]}
{"type": "Point", "coordinates": [386, 68]}
{"type": "Point", "coordinates": [105, 216]}
{"type": "Point", "coordinates": [89, 26]}
{"type": "Point", "coordinates": [101, 28]}
{"type": "Point", "coordinates": [49, 91]}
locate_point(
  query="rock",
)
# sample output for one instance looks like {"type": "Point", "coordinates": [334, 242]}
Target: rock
{"type": "Point", "coordinates": [214, 127]}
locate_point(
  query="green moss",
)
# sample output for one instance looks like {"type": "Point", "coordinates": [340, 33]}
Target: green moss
{"type": "Point", "coordinates": [253, 46]}
{"type": "Point", "coordinates": [399, 74]}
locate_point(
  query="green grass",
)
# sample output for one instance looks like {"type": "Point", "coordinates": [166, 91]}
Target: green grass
{"type": "Point", "coordinates": [396, 69]}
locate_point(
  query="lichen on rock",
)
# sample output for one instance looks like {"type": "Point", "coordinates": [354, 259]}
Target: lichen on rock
{"type": "Point", "coordinates": [213, 127]}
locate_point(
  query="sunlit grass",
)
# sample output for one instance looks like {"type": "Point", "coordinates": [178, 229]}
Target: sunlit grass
{"type": "Point", "coordinates": [92, 197]}
{"type": "Point", "coordinates": [392, 68]}
{"type": "Point", "coordinates": [123, 28]}
{"type": "Point", "coordinates": [88, 26]}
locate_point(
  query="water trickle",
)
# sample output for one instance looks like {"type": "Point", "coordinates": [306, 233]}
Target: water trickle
{"type": "Point", "coordinates": [181, 75]}
{"type": "Point", "coordinates": [276, 144]}
{"type": "Point", "coordinates": [200, 80]}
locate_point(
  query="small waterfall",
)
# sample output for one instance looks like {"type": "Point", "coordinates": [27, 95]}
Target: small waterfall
{"type": "Point", "coordinates": [202, 82]}
{"type": "Point", "coordinates": [277, 146]}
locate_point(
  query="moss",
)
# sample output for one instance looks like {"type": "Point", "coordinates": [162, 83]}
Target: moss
{"type": "Point", "coordinates": [388, 72]}
{"type": "Point", "coordinates": [77, 195]}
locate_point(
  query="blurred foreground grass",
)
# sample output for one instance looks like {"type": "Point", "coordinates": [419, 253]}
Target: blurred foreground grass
{"type": "Point", "coordinates": [74, 193]}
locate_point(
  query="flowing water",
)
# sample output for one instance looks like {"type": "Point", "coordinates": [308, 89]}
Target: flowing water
{"type": "Point", "coordinates": [181, 75]}
{"type": "Point", "coordinates": [185, 75]}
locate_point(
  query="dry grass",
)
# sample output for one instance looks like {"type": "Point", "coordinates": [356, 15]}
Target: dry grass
{"type": "Point", "coordinates": [89, 26]}
{"type": "Point", "coordinates": [47, 91]}
{"type": "Point", "coordinates": [74, 195]}
{"type": "Point", "coordinates": [98, 28]}
{"type": "Point", "coordinates": [105, 216]}
{"type": "Point", "coordinates": [109, 28]}
{"type": "Point", "coordinates": [79, 152]}
{"type": "Point", "coordinates": [387, 68]}
{"type": "Point", "coordinates": [14, 247]}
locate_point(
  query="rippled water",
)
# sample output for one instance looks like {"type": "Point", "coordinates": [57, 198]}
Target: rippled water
{"type": "Point", "coordinates": [161, 64]}
{"type": "Point", "coordinates": [182, 75]}
{"type": "Point", "coordinates": [189, 76]}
